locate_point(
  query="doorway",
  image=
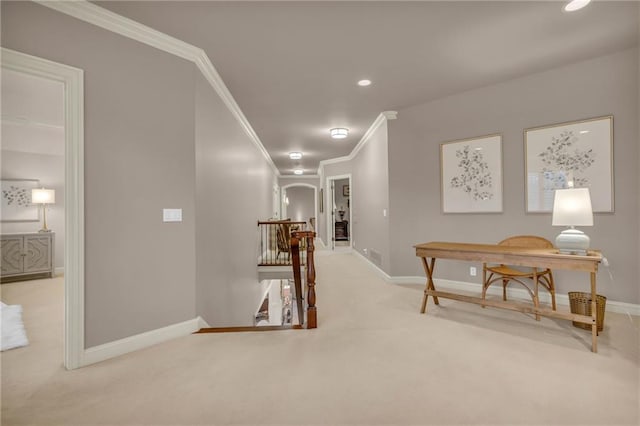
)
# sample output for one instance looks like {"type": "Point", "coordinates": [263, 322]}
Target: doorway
{"type": "Point", "coordinates": [339, 213]}
{"type": "Point", "coordinates": [72, 187]}
{"type": "Point", "coordinates": [300, 203]}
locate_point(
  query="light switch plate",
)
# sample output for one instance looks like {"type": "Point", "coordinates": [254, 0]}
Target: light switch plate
{"type": "Point", "coordinates": [172, 215]}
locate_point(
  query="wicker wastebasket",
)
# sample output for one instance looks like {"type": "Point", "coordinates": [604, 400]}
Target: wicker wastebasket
{"type": "Point", "coordinates": [580, 303]}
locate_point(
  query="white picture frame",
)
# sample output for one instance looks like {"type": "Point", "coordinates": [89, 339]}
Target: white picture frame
{"type": "Point", "coordinates": [471, 175]}
{"type": "Point", "coordinates": [578, 151]}
{"type": "Point", "coordinates": [15, 204]}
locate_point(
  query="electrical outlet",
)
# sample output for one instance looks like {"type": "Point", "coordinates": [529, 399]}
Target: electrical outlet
{"type": "Point", "coordinates": [472, 271]}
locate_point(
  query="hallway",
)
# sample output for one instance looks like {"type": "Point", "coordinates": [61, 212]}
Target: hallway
{"type": "Point", "coordinates": [372, 360]}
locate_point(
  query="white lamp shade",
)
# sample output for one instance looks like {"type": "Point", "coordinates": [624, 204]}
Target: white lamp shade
{"type": "Point", "coordinates": [572, 207]}
{"type": "Point", "coordinates": [43, 196]}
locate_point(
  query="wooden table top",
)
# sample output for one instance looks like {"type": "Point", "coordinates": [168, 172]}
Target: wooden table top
{"type": "Point", "coordinates": [523, 256]}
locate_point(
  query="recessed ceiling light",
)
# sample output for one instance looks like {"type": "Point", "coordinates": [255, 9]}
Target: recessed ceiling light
{"type": "Point", "coordinates": [364, 83]}
{"type": "Point", "coordinates": [339, 133]}
{"type": "Point", "coordinates": [298, 172]}
{"type": "Point", "coordinates": [295, 155]}
{"type": "Point", "coordinates": [576, 5]}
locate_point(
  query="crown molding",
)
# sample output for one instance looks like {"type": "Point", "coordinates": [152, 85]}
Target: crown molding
{"type": "Point", "coordinates": [383, 117]}
{"type": "Point", "coordinates": [103, 18]}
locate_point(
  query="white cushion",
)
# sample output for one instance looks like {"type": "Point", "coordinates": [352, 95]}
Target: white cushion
{"type": "Point", "coordinates": [12, 328]}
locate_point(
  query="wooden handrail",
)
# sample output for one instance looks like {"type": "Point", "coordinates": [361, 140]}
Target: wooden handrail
{"type": "Point", "coordinates": [312, 315]}
{"type": "Point", "coordinates": [280, 222]}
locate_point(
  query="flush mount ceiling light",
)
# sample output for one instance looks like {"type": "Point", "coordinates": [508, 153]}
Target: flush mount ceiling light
{"type": "Point", "coordinates": [295, 155]}
{"type": "Point", "coordinates": [298, 172]}
{"type": "Point", "coordinates": [364, 82]}
{"type": "Point", "coordinates": [576, 5]}
{"type": "Point", "coordinates": [339, 133]}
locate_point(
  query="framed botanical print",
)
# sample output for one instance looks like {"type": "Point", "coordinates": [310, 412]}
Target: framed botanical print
{"type": "Point", "coordinates": [578, 153]}
{"type": "Point", "coordinates": [471, 175]}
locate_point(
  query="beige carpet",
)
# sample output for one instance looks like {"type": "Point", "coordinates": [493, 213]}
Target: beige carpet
{"type": "Point", "coordinates": [373, 360]}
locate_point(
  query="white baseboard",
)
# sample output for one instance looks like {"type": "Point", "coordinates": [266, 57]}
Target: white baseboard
{"type": "Point", "coordinates": [512, 292]}
{"type": "Point", "coordinates": [202, 323]}
{"type": "Point", "coordinates": [59, 271]}
{"type": "Point", "coordinates": [141, 341]}
{"type": "Point", "coordinates": [375, 268]}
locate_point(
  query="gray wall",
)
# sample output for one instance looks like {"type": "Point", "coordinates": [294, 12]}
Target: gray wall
{"type": "Point", "coordinates": [156, 136]}
{"type": "Point", "coordinates": [601, 86]}
{"type": "Point", "coordinates": [301, 203]}
{"type": "Point", "coordinates": [139, 158]}
{"type": "Point", "coordinates": [370, 196]}
{"type": "Point", "coordinates": [233, 191]}
{"type": "Point", "coordinates": [49, 170]}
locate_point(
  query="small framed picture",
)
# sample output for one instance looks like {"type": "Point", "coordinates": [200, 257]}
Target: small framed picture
{"type": "Point", "coordinates": [580, 152]}
{"type": "Point", "coordinates": [345, 190]}
{"type": "Point", "coordinates": [16, 200]}
{"type": "Point", "coordinates": [471, 175]}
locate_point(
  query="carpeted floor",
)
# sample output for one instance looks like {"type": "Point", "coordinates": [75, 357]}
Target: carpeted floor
{"type": "Point", "coordinates": [373, 360]}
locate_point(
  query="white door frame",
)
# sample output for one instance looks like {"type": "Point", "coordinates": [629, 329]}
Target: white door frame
{"type": "Point", "coordinates": [329, 216]}
{"type": "Point", "coordinates": [307, 185]}
{"type": "Point", "coordinates": [73, 80]}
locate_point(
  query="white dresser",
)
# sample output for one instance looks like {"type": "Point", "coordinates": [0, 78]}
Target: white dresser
{"type": "Point", "coordinates": [27, 255]}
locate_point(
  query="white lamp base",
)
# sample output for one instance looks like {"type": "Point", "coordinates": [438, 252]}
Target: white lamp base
{"type": "Point", "coordinates": [572, 241]}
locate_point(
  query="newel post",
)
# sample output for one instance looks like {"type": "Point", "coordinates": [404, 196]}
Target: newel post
{"type": "Point", "coordinates": [312, 315]}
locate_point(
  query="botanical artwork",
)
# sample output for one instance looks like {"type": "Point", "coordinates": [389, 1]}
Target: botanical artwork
{"type": "Point", "coordinates": [578, 154]}
{"type": "Point", "coordinates": [16, 201]}
{"type": "Point", "coordinates": [472, 175]}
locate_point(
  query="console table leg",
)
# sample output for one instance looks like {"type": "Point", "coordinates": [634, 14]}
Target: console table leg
{"type": "Point", "coordinates": [594, 314]}
{"type": "Point", "coordinates": [428, 269]}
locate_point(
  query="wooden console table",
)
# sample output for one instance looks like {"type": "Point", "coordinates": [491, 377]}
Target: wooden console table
{"type": "Point", "coordinates": [535, 258]}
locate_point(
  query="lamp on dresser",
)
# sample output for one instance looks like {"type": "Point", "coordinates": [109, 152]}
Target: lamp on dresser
{"type": "Point", "coordinates": [572, 207]}
{"type": "Point", "coordinates": [43, 196]}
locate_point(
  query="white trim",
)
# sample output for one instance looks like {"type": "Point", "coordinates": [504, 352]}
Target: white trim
{"type": "Point", "coordinates": [328, 216]}
{"type": "Point", "coordinates": [375, 268]}
{"type": "Point", "coordinates": [333, 161]}
{"type": "Point", "coordinates": [141, 341]}
{"type": "Point", "coordinates": [202, 323]}
{"type": "Point", "coordinates": [59, 271]}
{"type": "Point", "coordinates": [73, 79]}
{"type": "Point", "coordinates": [304, 185]}
{"type": "Point", "coordinates": [22, 121]}
{"type": "Point", "coordinates": [380, 119]}
{"type": "Point", "coordinates": [103, 18]}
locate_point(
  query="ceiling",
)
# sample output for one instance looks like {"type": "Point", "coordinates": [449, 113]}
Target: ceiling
{"type": "Point", "coordinates": [32, 114]}
{"type": "Point", "coordinates": [293, 66]}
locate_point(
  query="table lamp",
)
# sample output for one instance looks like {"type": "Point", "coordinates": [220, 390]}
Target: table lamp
{"type": "Point", "coordinates": [572, 207]}
{"type": "Point", "coordinates": [44, 197]}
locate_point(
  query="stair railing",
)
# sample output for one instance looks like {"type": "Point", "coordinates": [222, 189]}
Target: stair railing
{"type": "Point", "coordinates": [275, 238]}
{"type": "Point", "coordinates": [310, 282]}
